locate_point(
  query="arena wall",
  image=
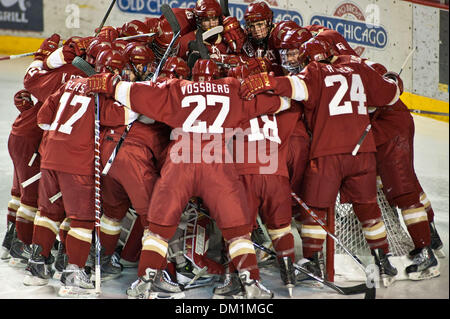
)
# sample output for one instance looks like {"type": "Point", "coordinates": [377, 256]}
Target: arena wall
{"type": "Point", "coordinates": [385, 31]}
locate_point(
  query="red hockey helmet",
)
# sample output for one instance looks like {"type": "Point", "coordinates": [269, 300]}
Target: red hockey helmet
{"type": "Point", "coordinates": [175, 67]}
{"type": "Point", "coordinates": [108, 33]}
{"type": "Point", "coordinates": [110, 61]}
{"type": "Point", "coordinates": [258, 11]}
{"type": "Point", "coordinates": [207, 9]}
{"type": "Point", "coordinates": [292, 56]}
{"type": "Point", "coordinates": [94, 48]}
{"type": "Point", "coordinates": [119, 45]}
{"type": "Point", "coordinates": [316, 50]}
{"type": "Point", "coordinates": [205, 70]}
{"type": "Point", "coordinates": [239, 72]}
{"type": "Point", "coordinates": [136, 27]}
{"type": "Point", "coordinates": [138, 53]}
{"type": "Point", "coordinates": [152, 24]}
{"type": "Point", "coordinates": [162, 40]}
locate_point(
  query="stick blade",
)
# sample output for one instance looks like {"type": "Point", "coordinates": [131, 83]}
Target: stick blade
{"type": "Point", "coordinates": [82, 65]}
{"type": "Point", "coordinates": [171, 18]}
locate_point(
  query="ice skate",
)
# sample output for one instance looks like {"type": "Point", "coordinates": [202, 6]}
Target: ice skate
{"type": "Point", "coordinates": [436, 242]}
{"type": "Point", "coordinates": [424, 266]}
{"type": "Point", "coordinates": [386, 269]}
{"type": "Point", "coordinates": [313, 266]}
{"type": "Point", "coordinates": [287, 273]}
{"type": "Point", "coordinates": [254, 289]}
{"type": "Point", "coordinates": [76, 283]}
{"type": "Point", "coordinates": [39, 269]}
{"type": "Point", "coordinates": [230, 289]}
{"type": "Point", "coordinates": [20, 253]}
{"type": "Point", "coordinates": [61, 261]}
{"type": "Point", "coordinates": [110, 268]}
{"type": "Point", "coordinates": [155, 285]}
{"type": "Point", "coordinates": [7, 240]}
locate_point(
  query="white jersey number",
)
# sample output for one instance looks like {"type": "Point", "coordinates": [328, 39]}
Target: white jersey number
{"type": "Point", "coordinates": [192, 124]}
{"type": "Point", "coordinates": [357, 94]}
{"type": "Point", "coordinates": [66, 128]}
{"type": "Point", "coordinates": [270, 126]}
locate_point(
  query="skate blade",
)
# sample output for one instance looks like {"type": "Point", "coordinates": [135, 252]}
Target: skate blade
{"type": "Point", "coordinates": [4, 254]}
{"type": "Point", "coordinates": [439, 253]}
{"type": "Point", "coordinates": [76, 292]}
{"type": "Point", "coordinates": [290, 289]}
{"type": "Point", "coordinates": [426, 274]}
{"type": "Point", "coordinates": [238, 296]}
{"type": "Point", "coordinates": [309, 284]}
{"type": "Point", "coordinates": [34, 281]}
{"type": "Point", "coordinates": [17, 262]}
{"type": "Point", "coordinates": [162, 295]}
{"type": "Point", "coordinates": [387, 280]}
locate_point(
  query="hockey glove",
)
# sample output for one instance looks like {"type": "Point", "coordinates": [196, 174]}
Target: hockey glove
{"type": "Point", "coordinates": [255, 84]}
{"type": "Point", "coordinates": [104, 83]}
{"type": "Point", "coordinates": [47, 47]}
{"type": "Point", "coordinates": [22, 100]}
{"type": "Point", "coordinates": [394, 76]}
{"type": "Point", "coordinates": [233, 34]}
{"type": "Point", "coordinates": [258, 65]}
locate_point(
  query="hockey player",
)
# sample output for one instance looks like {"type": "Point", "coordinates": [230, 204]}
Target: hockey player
{"type": "Point", "coordinates": [395, 167]}
{"type": "Point", "coordinates": [67, 166]}
{"type": "Point", "coordinates": [266, 181]}
{"type": "Point", "coordinates": [23, 143]}
{"type": "Point", "coordinates": [143, 150]}
{"type": "Point", "coordinates": [290, 39]}
{"type": "Point", "coordinates": [215, 105]}
{"type": "Point", "coordinates": [347, 86]}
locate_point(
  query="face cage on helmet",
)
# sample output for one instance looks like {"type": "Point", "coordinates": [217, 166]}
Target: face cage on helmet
{"type": "Point", "coordinates": [262, 41]}
{"type": "Point", "coordinates": [160, 51]}
{"type": "Point", "coordinates": [198, 21]}
{"type": "Point", "coordinates": [293, 69]}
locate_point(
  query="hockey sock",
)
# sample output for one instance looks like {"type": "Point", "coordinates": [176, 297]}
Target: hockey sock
{"type": "Point", "coordinates": [44, 233]}
{"type": "Point", "coordinates": [24, 223]}
{"type": "Point", "coordinates": [283, 241]}
{"type": "Point", "coordinates": [78, 241]}
{"type": "Point", "coordinates": [374, 230]}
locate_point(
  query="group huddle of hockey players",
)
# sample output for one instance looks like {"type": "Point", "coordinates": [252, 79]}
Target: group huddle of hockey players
{"type": "Point", "coordinates": [297, 98]}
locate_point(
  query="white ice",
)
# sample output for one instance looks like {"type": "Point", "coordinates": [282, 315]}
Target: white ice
{"type": "Point", "coordinates": [432, 168]}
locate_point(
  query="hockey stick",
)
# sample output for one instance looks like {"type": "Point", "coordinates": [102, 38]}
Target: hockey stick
{"type": "Point", "coordinates": [17, 56]}
{"type": "Point", "coordinates": [176, 29]}
{"type": "Point", "coordinates": [171, 18]}
{"type": "Point", "coordinates": [353, 290]}
{"type": "Point", "coordinates": [225, 9]}
{"type": "Point", "coordinates": [370, 291]}
{"type": "Point", "coordinates": [137, 36]}
{"type": "Point", "coordinates": [105, 17]}
{"type": "Point", "coordinates": [89, 70]}
{"type": "Point", "coordinates": [428, 112]}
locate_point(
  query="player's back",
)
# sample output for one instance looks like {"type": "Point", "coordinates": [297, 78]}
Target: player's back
{"type": "Point", "coordinates": [70, 139]}
{"type": "Point", "coordinates": [336, 108]}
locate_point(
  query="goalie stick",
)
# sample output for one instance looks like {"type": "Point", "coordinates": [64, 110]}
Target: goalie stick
{"type": "Point", "coordinates": [170, 17]}
{"type": "Point", "coordinates": [370, 291]}
{"type": "Point", "coordinates": [353, 290]}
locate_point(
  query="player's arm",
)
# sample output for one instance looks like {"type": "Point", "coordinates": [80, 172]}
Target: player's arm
{"type": "Point", "coordinates": [146, 98]}
{"type": "Point", "coordinates": [382, 90]}
{"type": "Point", "coordinates": [113, 113]}
{"type": "Point", "coordinates": [48, 109]}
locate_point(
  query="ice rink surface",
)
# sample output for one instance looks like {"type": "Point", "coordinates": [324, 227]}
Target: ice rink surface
{"type": "Point", "coordinates": [432, 168]}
